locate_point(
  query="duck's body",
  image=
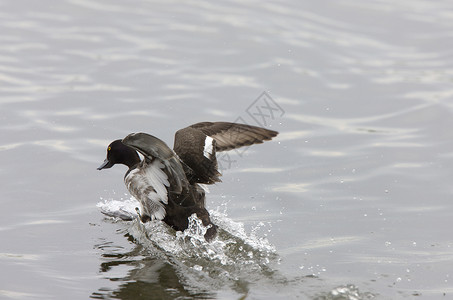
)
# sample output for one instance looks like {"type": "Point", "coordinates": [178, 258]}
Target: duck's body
{"type": "Point", "coordinates": [166, 182]}
{"type": "Point", "coordinates": [148, 183]}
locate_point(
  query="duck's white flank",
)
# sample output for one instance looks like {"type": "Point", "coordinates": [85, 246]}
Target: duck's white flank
{"type": "Point", "coordinates": [148, 184]}
{"type": "Point", "coordinates": [207, 152]}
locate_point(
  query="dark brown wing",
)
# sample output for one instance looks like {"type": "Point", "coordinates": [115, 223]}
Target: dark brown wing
{"type": "Point", "coordinates": [197, 145]}
{"type": "Point", "coordinates": [234, 135]}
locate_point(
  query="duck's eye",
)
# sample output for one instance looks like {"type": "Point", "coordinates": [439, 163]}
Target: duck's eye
{"type": "Point", "coordinates": [109, 148]}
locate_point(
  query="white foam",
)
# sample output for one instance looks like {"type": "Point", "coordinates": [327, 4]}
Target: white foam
{"type": "Point", "coordinates": [119, 206]}
{"type": "Point", "coordinates": [237, 229]}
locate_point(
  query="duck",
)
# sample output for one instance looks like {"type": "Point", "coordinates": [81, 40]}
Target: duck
{"type": "Point", "coordinates": [168, 183]}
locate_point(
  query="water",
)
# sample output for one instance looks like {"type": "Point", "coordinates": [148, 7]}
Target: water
{"type": "Point", "coordinates": [351, 201]}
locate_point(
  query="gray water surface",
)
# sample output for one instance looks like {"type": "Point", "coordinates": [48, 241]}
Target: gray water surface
{"type": "Point", "coordinates": [351, 201]}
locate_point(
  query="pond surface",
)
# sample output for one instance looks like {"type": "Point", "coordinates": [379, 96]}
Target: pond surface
{"type": "Point", "coordinates": [353, 199]}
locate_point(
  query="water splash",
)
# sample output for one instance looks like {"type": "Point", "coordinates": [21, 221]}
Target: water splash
{"type": "Point", "coordinates": [346, 292]}
{"type": "Point", "coordinates": [231, 253]}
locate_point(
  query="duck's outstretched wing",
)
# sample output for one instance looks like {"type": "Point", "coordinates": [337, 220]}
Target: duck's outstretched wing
{"type": "Point", "coordinates": [197, 145]}
{"type": "Point", "coordinates": [152, 148]}
{"type": "Point", "coordinates": [234, 135]}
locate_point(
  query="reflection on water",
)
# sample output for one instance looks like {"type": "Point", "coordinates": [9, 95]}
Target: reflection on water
{"type": "Point", "coordinates": [147, 277]}
{"type": "Point", "coordinates": [354, 195]}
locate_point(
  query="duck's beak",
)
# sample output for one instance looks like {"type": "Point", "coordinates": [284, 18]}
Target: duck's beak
{"type": "Point", "coordinates": [105, 165]}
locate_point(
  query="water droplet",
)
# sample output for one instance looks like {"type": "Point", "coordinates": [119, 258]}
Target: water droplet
{"type": "Point", "coordinates": [198, 268]}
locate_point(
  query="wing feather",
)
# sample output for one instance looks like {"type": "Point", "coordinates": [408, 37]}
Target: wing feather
{"type": "Point", "coordinates": [189, 144]}
{"type": "Point", "coordinates": [151, 148]}
{"type": "Point", "coordinates": [149, 185]}
{"type": "Point", "coordinates": [234, 135]}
